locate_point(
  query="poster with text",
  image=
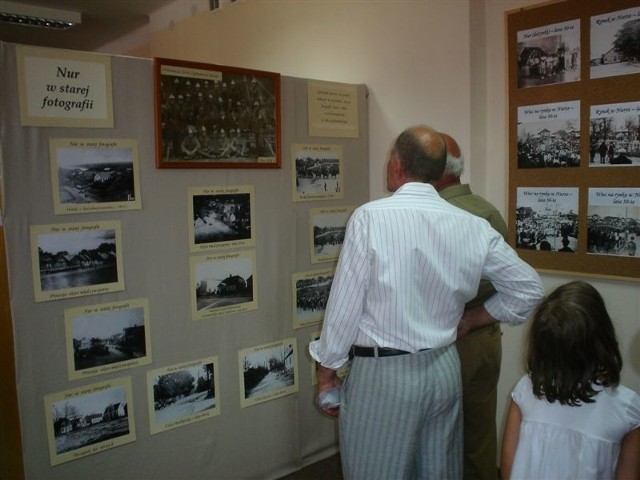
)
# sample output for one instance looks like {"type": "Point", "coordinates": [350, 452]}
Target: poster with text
{"type": "Point", "coordinates": [182, 394]}
{"type": "Point", "coordinates": [89, 420]}
{"type": "Point", "coordinates": [76, 259]}
{"type": "Point", "coordinates": [64, 88]}
{"type": "Point", "coordinates": [549, 54]}
{"type": "Point", "coordinates": [547, 219]}
{"type": "Point", "coordinates": [317, 172]}
{"type": "Point", "coordinates": [549, 135]}
{"type": "Point", "coordinates": [613, 224]}
{"type": "Point", "coordinates": [333, 109]}
{"type": "Point", "coordinates": [310, 294]}
{"type": "Point", "coordinates": [94, 175]}
{"type": "Point", "coordinates": [223, 284]}
{"type": "Point", "coordinates": [268, 372]}
{"type": "Point", "coordinates": [613, 135]}
{"type": "Point", "coordinates": [107, 338]}
{"type": "Point", "coordinates": [221, 217]}
{"type": "Point", "coordinates": [614, 43]}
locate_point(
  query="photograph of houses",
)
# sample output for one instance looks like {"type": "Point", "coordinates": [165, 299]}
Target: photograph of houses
{"type": "Point", "coordinates": [107, 337]}
{"type": "Point", "coordinates": [547, 219]}
{"type": "Point", "coordinates": [316, 172]}
{"type": "Point", "coordinates": [89, 420]}
{"type": "Point", "coordinates": [549, 54]}
{"type": "Point", "coordinates": [221, 217]}
{"type": "Point", "coordinates": [613, 223]}
{"type": "Point", "coordinates": [70, 260]}
{"type": "Point", "coordinates": [614, 135]}
{"type": "Point", "coordinates": [311, 292]}
{"type": "Point", "coordinates": [182, 394]}
{"type": "Point", "coordinates": [94, 175]}
{"type": "Point", "coordinates": [615, 43]}
{"type": "Point", "coordinates": [549, 135]}
{"type": "Point", "coordinates": [223, 284]}
{"type": "Point", "coordinates": [268, 372]}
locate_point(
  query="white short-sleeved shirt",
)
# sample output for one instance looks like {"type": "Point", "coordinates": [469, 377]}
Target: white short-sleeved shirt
{"type": "Point", "coordinates": [563, 442]}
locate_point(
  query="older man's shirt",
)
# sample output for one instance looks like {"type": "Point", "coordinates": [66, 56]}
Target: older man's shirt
{"type": "Point", "coordinates": [408, 265]}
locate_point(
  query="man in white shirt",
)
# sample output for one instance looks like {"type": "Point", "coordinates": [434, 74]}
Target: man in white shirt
{"type": "Point", "coordinates": [408, 265]}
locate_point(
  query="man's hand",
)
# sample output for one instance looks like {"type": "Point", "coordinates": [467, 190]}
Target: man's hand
{"type": "Point", "coordinates": [473, 319]}
{"type": "Point", "coordinates": [327, 378]}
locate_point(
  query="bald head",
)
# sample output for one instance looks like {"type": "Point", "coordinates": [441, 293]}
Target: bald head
{"type": "Point", "coordinates": [420, 153]}
{"type": "Point", "coordinates": [452, 146]}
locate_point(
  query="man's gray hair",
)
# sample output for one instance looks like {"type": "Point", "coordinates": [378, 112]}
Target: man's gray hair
{"type": "Point", "coordinates": [455, 165]}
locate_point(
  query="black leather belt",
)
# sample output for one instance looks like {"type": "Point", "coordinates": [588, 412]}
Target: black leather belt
{"type": "Point", "coordinates": [357, 351]}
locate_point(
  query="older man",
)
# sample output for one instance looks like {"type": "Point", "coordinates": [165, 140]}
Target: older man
{"type": "Point", "coordinates": [409, 264]}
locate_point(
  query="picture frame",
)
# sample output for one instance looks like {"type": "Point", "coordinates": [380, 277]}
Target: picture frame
{"type": "Point", "coordinates": [214, 116]}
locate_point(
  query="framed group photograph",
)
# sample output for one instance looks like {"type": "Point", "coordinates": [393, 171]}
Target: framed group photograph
{"type": "Point", "coordinates": [310, 293]}
{"type": "Point", "coordinates": [327, 227]}
{"type": "Point", "coordinates": [213, 116]}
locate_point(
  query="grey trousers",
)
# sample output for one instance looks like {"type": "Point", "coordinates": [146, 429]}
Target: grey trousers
{"type": "Point", "coordinates": [400, 417]}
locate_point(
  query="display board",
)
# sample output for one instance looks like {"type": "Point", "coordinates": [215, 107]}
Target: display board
{"type": "Point", "coordinates": [162, 315]}
{"type": "Point", "coordinates": [574, 137]}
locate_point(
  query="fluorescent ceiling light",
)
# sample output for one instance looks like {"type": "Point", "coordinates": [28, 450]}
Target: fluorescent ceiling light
{"type": "Point", "coordinates": [34, 16]}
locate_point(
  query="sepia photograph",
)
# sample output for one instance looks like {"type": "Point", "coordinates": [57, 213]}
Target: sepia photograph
{"type": "Point", "coordinates": [76, 259]}
{"type": "Point", "coordinates": [310, 294]}
{"type": "Point", "coordinates": [547, 219]}
{"type": "Point", "coordinates": [89, 419]}
{"type": "Point", "coordinates": [549, 54]}
{"type": "Point", "coordinates": [223, 284]}
{"type": "Point", "coordinates": [94, 175]}
{"type": "Point", "coordinates": [268, 372]}
{"type": "Point", "coordinates": [327, 229]}
{"type": "Point", "coordinates": [614, 135]}
{"type": "Point", "coordinates": [183, 394]}
{"type": "Point", "coordinates": [615, 43]}
{"type": "Point", "coordinates": [613, 222]}
{"type": "Point", "coordinates": [316, 172]}
{"type": "Point", "coordinates": [213, 116]}
{"type": "Point", "coordinates": [221, 217]}
{"type": "Point", "coordinates": [549, 135]}
{"type": "Point", "coordinates": [108, 337]}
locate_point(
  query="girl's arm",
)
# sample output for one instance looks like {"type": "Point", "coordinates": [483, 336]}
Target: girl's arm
{"type": "Point", "coordinates": [510, 440]}
{"type": "Point", "coordinates": [629, 459]}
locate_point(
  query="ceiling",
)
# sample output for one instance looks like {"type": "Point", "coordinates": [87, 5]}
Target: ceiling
{"type": "Point", "coordinates": [102, 22]}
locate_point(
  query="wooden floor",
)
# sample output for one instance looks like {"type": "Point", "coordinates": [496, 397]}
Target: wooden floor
{"type": "Point", "coordinates": [328, 469]}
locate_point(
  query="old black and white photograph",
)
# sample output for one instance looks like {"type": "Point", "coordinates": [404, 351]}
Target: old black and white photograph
{"type": "Point", "coordinates": [316, 172]}
{"type": "Point", "coordinates": [547, 219]}
{"type": "Point", "coordinates": [223, 284]}
{"type": "Point", "coordinates": [549, 135]}
{"type": "Point", "coordinates": [327, 228]}
{"type": "Point", "coordinates": [212, 116]}
{"type": "Point", "coordinates": [107, 337]}
{"type": "Point", "coordinates": [76, 259]}
{"type": "Point", "coordinates": [268, 372]}
{"type": "Point", "coordinates": [613, 223]}
{"type": "Point", "coordinates": [89, 419]}
{"type": "Point", "coordinates": [182, 394]}
{"type": "Point", "coordinates": [614, 135]}
{"type": "Point", "coordinates": [94, 175]}
{"type": "Point", "coordinates": [549, 54]}
{"type": "Point", "coordinates": [615, 43]}
{"type": "Point", "coordinates": [310, 293]}
{"type": "Point", "coordinates": [221, 217]}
